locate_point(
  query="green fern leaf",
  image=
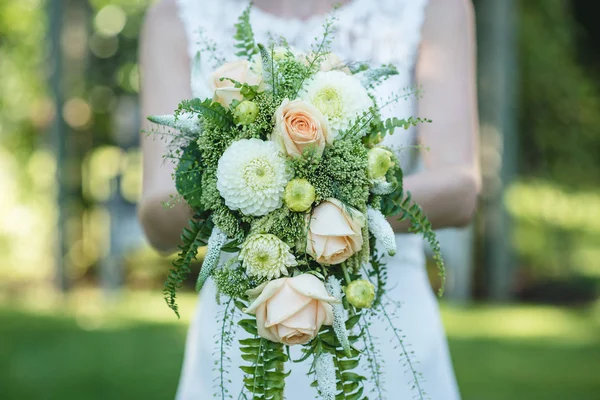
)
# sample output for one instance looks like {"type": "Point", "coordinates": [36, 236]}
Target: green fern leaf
{"type": "Point", "coordinates": [194, 236]}
{"type": "Point", "coordinates": [264, 377]}
{"type": "Point", "coordinates": [188, 175]}
{"type": "Point", "coordinates": [419, 223]}
{"type": "Point", "coordinates": [209, 109]}
{"type": "Point", "coordinates": [244, 36]}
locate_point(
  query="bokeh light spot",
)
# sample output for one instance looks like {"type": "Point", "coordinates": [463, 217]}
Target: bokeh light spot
{"type": "Point", "coordinates": [77, 113]}
{"type": "Point", "coordinates": [110, 20]}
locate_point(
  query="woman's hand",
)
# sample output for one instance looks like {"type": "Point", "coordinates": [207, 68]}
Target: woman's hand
{"type": "Point", "coordinates": [448, 188]}
{"type": "Point", "coordinates": [164, 63]}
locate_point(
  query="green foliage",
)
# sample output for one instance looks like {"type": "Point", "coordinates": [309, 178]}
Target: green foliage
{"type": "Point", "coordinates": [231, 281]}
{"type": "Point", "coordinates": [286, 225]}
{"type": "Point", "coordinates": [263, 124]}
{"type": "Point", "coordinates": [292, 74]}
{"type": "Point", "coordinates": [226, 317]}
{"type": "Point", "coordinates": [269, 70]}
{"type": "Point", "coordinates": [212, 112]}
{"type": "Point", "coordinates": [192, 237]}
{"type": "Point", "coordinates": [407, 210]}
{"type": "Point", "coordinates": [244, 35]}
{"type": "Point", "coordinates": [405, 355]}
{"type": "Point", "coordinates": [264, 376]}
{"type": "Point", "coordinates": [388, 126]}
{"type": "Point", "coordinates": [320, 49]}
{"type": "Point", "coordinates": [341, 172]}
{"type": "Point", "coordinates": [559, 98]}
{"type": "Point", "coordinates": [188, 176]}
{"type": "Point", "coordinates": [375, 76]}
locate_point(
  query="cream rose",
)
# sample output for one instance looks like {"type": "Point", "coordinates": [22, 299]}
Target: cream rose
{"type": "Point", "coordinates": [333, 62]}
{"type": "Point", "coordinates": [291, 310]}
{"type": "Point", "coordinates": [224, 90]}
{"type": "Point", "coordinates": [299, 125]}
{"type": "Point", "coordinates": [335, 232]}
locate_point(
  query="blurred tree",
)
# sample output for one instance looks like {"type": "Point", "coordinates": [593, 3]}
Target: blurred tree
{"type": "Point", "coordinates": [559, 119]}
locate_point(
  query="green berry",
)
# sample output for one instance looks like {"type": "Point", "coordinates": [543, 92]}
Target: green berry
{"type": "Point", "coordinates": [360, 293]}
{"type": "Point", "coordinates": [299, 195]}
{"type": "Point", "coordinates": [380, 161]}
{"type": "Point", "coordinates": [245, 113]}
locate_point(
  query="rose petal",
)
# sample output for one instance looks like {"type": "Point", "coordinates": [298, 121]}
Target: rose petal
{"type": "Point", "coordinates": [354, 217]}
{"type": "Point", "coordinates": [304, 319]}
{"type": "Point", "coordinates": [335, 245]}
{"type": "Point", "coordinates": [310, 286]}
{"type": "Point", "coordinates": [327, 219]}
{"type": "Point", "coordinates": [285, 303]}
{"type": "Point", "coordinates": [260, 325]}
{"type": "Point", "coordinates": [269, 290]}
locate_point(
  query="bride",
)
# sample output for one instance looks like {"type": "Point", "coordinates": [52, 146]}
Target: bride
{"type": "Point", "coordinates": [432, 45]}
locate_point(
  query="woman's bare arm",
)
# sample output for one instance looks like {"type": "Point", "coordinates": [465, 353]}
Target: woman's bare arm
{"type": "Point", "coordinates": [448, 187]}
{"type": "Point", "coordinates": [165, 82]}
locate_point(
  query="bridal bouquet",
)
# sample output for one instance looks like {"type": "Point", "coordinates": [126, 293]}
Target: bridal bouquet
{"type": "Point", "coordinates": [285, 169]}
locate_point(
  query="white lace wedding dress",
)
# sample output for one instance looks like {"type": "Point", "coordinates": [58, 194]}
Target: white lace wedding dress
{"type": "Point", "coordinates": [382, 31]}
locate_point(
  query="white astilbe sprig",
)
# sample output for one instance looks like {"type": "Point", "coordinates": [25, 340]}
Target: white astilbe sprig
{"type": "Point", "coordinates": [325, 371]}
{"type": "Point", "coordinates": [187, 123]}
{"type": "Point", "coordinates": [213, 253]}
{"type": "Point", "coordinates": [382, 230]}
{"type": "Point", "coordinates": [340, 315]}
{"type": "Point", "coordinates": [381, 187]}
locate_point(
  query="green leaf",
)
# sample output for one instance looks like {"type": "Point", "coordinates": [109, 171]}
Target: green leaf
{"type": "Point", "coordinates": [188, 175]}
{"type": "Point", "coordinates": [244, 36]}
{"type": "Point", "coordinates": [249, 325]}
{"type": "Point", "coordinates": [193, 237]}
{"type": "Point", "coordinates": [373, 77]}
{"type": "Point", "coordinates": [210, 110]}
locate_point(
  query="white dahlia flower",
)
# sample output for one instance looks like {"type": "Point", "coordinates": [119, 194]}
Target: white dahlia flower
{"type": "Point", "coordinates": [251, 177]}
{"type": "Point", "coordinates": [266, 256]}
{"type": "Point", "coordinates": [340, 97]}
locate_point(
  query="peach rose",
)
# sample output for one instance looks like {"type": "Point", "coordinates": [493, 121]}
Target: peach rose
{"type": "Point", "coordinates": [239, 70]}
{"type": "Point", "coordinates": [299, 125]}
{"type": "Point", "coordinates": [291, 310]}
{"type": "Point", "coordinates": [335, 232]}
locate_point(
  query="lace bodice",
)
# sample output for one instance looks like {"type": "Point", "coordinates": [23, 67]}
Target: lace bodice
{"type": "Point", "coordinates": [382, 32]}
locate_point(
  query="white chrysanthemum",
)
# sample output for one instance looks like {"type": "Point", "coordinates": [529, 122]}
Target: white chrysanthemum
{"type": "Point", "coordinates": [382, 230]}
{"type": "Point", "coordinates": [266, 256]}
{"type": "Point", "coordinates": [340, 97]}
{"type": "Point", "coordinates": [251, 177]}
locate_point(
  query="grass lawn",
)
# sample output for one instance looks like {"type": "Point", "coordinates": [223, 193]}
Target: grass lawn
{"type": "Point", "coordinates": [132, 349]}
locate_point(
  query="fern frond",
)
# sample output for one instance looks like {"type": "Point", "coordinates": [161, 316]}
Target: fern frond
{"type": "Point", "coordinates": [194, 236]}
{"type": "Point", "coordinates": [264, 377]}
{"type": "Point", "coordinates": [244, 35]}
{"type": "Point", "coordinates": [210, 110]}
{"type": "Point", "coordinates": [188, 175]}
{"type": "Point", "coordinates": [419, 223]}
{"type": "Point", "coordinates": [388, 126]}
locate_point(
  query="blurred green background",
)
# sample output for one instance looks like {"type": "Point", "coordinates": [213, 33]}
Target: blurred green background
{"type": "Point", "coordinates": [81, 313]}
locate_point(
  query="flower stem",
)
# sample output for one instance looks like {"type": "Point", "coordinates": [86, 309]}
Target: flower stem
{"type": "Point", "coordinates": [346, 275]}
